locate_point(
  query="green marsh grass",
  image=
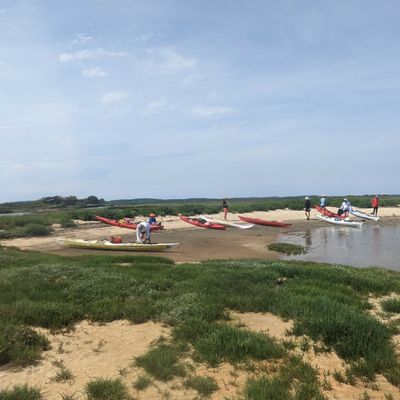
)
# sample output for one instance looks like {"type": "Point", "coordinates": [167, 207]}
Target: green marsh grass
{"type": "Point", "coordinates": [287, 248]}
{"type": "Point", "coordinates": [142, 382]}
{"type": "Point", "coordinates": [204, 385]}
{"type": "Point", "coordinates": [391, 306]}
{"type": "Point", "coordinates": [296, 380]}
{"type": "Point", "coordinates": [21, 392]}
{"type": "Point", "coordinates": [327, 303]}
{"type": "Point", "coordinates": [106, 389]}
{"type": "Point", "coordinates": [162, 362]}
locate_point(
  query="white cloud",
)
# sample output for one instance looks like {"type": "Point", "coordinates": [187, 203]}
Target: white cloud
{"type": "Point", "coordinates": [81, 38]}
{"type": "Point", "coordinates": [96, 72]}
{"type": "Point", "coordinates": [170, 60]}
{"type": "Point", "coordinates": [156, 106]}
{"type": "Point", "coordinates": [114, 97]}
{"type": "Point", "coordinates": [211, 111]}
{"type": "Point", "coordinates": [90, 54]}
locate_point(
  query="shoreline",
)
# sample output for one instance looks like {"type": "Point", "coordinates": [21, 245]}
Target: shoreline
{"type": "Point", "coordinates": [196, 244]}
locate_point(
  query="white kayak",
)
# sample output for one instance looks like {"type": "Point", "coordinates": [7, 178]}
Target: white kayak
{"type": "Point", "coordinates": [362, 215]}
{"type": "Point", "coordinates": [107, 245]}
{"type": "Point", "coordinates": [338, 221]}
{"type": "Point", "coordinates": [226, 223]}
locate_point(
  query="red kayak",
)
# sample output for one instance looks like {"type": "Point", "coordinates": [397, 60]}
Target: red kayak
{"type": "Point", "coordinates": [259, 221]}
{"type": "Point", "coordinates": [328, 213]}
{"type": "Point", "coordinates": [127, 225]}
{"type": "Point", "coordinates": [197, 222]}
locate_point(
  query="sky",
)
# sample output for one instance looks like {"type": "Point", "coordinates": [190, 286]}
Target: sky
{"type": "Point", "coordinates": [210, 98]}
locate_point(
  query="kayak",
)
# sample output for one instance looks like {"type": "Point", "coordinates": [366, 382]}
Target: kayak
{"type": "Point", "coordinates": [196, 222]}
{"type": "Point", "coordinates": [226, 223]}
{"type": "Point", "coordinates": [360, 214]}
{"type": "Point", "coordinates": [328, 213]}
{"type": "Point", "coordinates": [131, 225]}
{"type": "Point", "coordinates": [107, 245]}
{"type": "Point", "coordinates": [338, 221]}
{"type": "Point", "coordinates": [259, 221]}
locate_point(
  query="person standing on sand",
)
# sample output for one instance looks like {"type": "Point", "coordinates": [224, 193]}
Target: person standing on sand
{"type": "Point", "coordinates": [322, 201]}
{"type": "Point", "coordinates": [375, 205]}
{"type": "Point", "coordinates": [307, 207]}
{"type": "Point", "coordinates": [143, 232]}
{"type": "Point", "coordinates": [225, 206]}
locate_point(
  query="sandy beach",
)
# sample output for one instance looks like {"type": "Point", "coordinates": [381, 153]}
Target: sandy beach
{"type": "Point", "coordinates": [196, 244]}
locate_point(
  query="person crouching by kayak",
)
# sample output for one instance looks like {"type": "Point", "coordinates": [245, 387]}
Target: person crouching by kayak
{"type": "Point", "coordinates": [375, 205]}
{"type": "Point", "coordinates": [345, 207]}
{"type": "Point", "coordinates": [143, 232]}
{"type": "Point", "coordinates": [307, 207]}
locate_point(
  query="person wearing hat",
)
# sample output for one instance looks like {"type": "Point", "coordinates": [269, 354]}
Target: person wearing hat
{"type": "Point", "coordinates": [375, 205]}
{"type": "Point", "coordinates": [307, 207]}
{"type": "Point", "coordinates": [152, 220]}
{"type": "Point", "coordinates": [345, 207]}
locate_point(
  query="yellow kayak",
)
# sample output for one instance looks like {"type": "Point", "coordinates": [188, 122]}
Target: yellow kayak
{"type": "Point", "coordinates": [107, 245]}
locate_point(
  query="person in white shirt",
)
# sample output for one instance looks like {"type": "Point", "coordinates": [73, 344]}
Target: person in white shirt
{"type": "Point", "coordinates": [346, 207]}
{"type": "Point", "coordinates": [143, 232]}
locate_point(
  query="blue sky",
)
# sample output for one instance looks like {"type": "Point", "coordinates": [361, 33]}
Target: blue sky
{"type": "Point", "coordinates": [174, 99]}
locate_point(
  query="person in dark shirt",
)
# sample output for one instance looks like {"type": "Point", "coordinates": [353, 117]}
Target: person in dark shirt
{"type": "Point", "coordinates": [225, 206]}
{"type": "Point", "coordinates": [307, 207]}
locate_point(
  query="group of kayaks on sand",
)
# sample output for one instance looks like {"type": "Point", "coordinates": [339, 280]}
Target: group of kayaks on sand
{"type": "Point", "coordinates": [145, 228]}
{"type": "Point", "coordinates": [341, 217]}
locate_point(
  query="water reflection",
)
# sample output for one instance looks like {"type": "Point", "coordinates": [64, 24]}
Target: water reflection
{"type": "Point", "coordinates": [374, 245]}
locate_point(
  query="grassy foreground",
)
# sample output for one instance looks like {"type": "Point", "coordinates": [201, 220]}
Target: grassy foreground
{"type": "Point", "coordinates": [327, 303]}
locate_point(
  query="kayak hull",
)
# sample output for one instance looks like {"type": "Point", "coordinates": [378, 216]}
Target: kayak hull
{"type": "Point", "coordinates": [259, 221]}
{"type": "Point", "coordinates": [226, 223]}
{"type": "Point", "coordinates": [327, 213]}
{"type": "Point", "coordinates": [200, 224]}
{"type": "Point", "coordinates": [107, 245]}
{"type": "Point", "coordinates": [114, 222]}
{"type": "Point", "coordinates": [338, 221]}
{"type": "Point", "coordinates": [360, 214]}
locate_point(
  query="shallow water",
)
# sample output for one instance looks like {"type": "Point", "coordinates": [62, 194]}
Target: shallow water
{"type": "Point", "coordinates": [372, 245]}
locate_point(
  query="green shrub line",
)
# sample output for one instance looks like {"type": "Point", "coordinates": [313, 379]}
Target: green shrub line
{"type": "Point", "coordinates": [328, 303]}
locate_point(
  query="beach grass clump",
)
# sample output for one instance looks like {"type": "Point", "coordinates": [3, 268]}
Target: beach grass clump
{"type": "Point", "coordinates": [204, 385]}
{"type": "Point", "coordinates": [287, 248]}
{"type": "Point", "coordinates": [296, 380]}
{"type": "Point", "coordinates": [106, 389]}
{"type": "Point", "coordinates": [142, 382]}
{"type": "Point", "coordinates": [391, 306]}
{"type": "Point", "coordinates": [21, 392]}
{"type": "Point", "coordinates": [162, 362]}
{"type": "Point", "coordinates": [20, 345]}
{"type": "Point", "coordinates": [218, 342]}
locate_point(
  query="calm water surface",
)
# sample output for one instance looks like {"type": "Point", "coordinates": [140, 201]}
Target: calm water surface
{"type": "Point", "coordinates": [372, 245]}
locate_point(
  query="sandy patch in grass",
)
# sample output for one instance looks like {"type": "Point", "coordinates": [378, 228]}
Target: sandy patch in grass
{"type": "Point", "coordinates": [89, 351]}
{"type": "Point", "coordinates": [325, 363]}
{"type": "Point", "coordinates": [265, 323]}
